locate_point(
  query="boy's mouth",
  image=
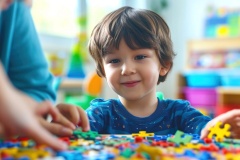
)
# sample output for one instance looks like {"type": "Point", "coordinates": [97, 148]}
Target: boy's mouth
{"type": "Point", "coordinates": [130, 83]}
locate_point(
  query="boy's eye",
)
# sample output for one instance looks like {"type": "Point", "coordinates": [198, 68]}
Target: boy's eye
{"type": "Point", "coordinates": [114, 61]}
{"type": "Point", "coordinates": [140, 57]}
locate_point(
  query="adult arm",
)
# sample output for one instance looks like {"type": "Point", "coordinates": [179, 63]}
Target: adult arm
{"type": "Point", "coordinates": [21, 53]}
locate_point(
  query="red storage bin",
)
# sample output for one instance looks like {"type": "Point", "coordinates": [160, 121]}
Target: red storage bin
{"type": "Point", "coordinates": [226, 108]}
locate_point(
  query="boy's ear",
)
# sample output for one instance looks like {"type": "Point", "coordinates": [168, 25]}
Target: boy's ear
{"type": "Point", "coordinates": [164, 70]}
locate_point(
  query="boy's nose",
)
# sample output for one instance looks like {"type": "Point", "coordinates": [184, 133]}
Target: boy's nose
{"type": "Point", "coordinates": [128, 68]}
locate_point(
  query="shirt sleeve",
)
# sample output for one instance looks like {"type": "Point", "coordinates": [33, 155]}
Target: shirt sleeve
{"type": "Point", "coordinates": [98, 115]}
{"type": "Point", "coordinates": [193, 121]}
{"type": "Point", "coordinates": [22, 55]}
{"type": "Point", "coordinates": [95, 117]}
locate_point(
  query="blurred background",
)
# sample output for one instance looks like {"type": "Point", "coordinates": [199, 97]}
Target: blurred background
{"type": "Point", "coordinates": [205, 36]}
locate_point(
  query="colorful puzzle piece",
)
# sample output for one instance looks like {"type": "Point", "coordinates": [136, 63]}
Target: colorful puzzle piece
{"type": "Point", "coordinates": [153, 152]}
{"type": "Point", "coordinates": [91, 135]}
{"type": "Point", "coordinates": [218, 132]}
{"type": "Point", "coordinates": [180, 138]}
{"type": "Point", "coordinates": [143, 134]}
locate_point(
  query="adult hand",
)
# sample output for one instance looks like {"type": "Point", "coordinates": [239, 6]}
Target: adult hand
{"type": "Point", "coordinates": [19, 116]}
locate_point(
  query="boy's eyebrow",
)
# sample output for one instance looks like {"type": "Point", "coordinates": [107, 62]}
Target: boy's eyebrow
{"type": "Point", "coordinates": [106, 52]}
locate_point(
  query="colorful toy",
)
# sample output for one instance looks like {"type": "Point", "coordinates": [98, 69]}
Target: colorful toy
{"type": "Point", "coordinates": [153, 152]}
{"type": "Point", "coordinates": [219, 132]}
{"type": "Point", "coordinates": [222, 22]}
{"type": "Point", "coordinates": [142, 134]}
{"type": "Point", "coordinates": [86, 135]}
{"type": "Point", "coordinates": [160, 95]}
{"type": "Point", "coordinates": [76, 64]}
{"type": "Point", "coordinates": [79, 51]}
{"type": "Point", "coordinates": [57, 63]}
{"type": "Point", "coordinates": [93, 146]}
{"type": "Point", "coordinates": [180, 138]}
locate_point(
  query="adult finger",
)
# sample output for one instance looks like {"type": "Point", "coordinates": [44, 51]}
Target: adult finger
{"type": "Point", "coordinates": [42, 136]}
{"type": "Point", "coordinates": [46, 107]}
{"type": "Point", "coordinates": [55, 128]}
{"type": "Point", "coordinates": [2, 132]}
{"type": "Point", "coordinates": [70, 111]}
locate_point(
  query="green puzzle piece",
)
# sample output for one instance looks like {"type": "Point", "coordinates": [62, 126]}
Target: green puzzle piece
{"type": "Point", "coordinates": [180, 138]}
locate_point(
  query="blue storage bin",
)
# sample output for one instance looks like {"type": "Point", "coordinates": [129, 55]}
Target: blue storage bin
{"type": "Point", "coordinates": [231, 80]}
{"type": "Point", "coordinates": [230, 77]}
{"type": "Point", "coordinates": [203, 79]}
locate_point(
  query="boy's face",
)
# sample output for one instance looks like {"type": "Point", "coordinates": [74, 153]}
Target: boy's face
{"type": "Point", "coordinates": [132, 74]}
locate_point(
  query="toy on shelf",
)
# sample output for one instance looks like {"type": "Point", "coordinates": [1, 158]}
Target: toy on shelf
{"type": "Point", "coordinates": [222, 22]}
{"type": "Point", "coordinates": [57, 62]}
{"type": "Point", "coordinates": [76, 64]}
{"type": "Point", "coordinates": [233, 58]}
{"type": "Point", "coordinates": [93, 146]}
{"type": "Point", "coordinates": [79, 52]}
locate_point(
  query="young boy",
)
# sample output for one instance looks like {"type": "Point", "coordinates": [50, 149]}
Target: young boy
{"type": "Point", "coordinates": [133, 51]}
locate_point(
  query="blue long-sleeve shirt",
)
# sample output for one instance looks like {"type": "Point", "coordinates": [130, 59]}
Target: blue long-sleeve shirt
{"type": "Point", "coordinates": [21, 53]}
{"type": "Point", "coordinates": [111, 117]}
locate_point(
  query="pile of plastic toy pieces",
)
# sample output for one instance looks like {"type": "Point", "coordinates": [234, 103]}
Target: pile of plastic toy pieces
{"type": "Point", "coordinates": [139, 146]}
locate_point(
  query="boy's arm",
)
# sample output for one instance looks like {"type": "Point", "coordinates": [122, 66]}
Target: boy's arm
{"type": "Point", "coordinates": [188, 118]}
{"type": "Point", "coordinates": [95, 117]}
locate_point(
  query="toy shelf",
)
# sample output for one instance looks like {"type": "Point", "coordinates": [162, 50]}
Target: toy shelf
{"type": "Point", "coordinates": [229, 90]}
{"type": "Point", "coordinates": [228, 96]}
{"type": "Point", "coordinates": [212, 44]}
{"type": "Point", "coordinates": [71, 83]}
{"type": "Point", "coordinates": [69, 86]}
{"type": "Point", "coordinates": [212, 60]}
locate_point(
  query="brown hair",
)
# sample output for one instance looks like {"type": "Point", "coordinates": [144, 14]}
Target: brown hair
{"type": "Point", "coordinates": [139, 29]}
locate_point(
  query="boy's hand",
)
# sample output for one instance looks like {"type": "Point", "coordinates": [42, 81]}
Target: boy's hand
{"type": "Point", "coordinates": [74, 114]}
{"type": "Point", "coordinates": [232, 118]}
{"type": "Point", "coordinates": [59, 126]}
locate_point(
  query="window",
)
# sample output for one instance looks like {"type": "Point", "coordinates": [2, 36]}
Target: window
{"type": "Point", "coordinates": [56, 17]}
